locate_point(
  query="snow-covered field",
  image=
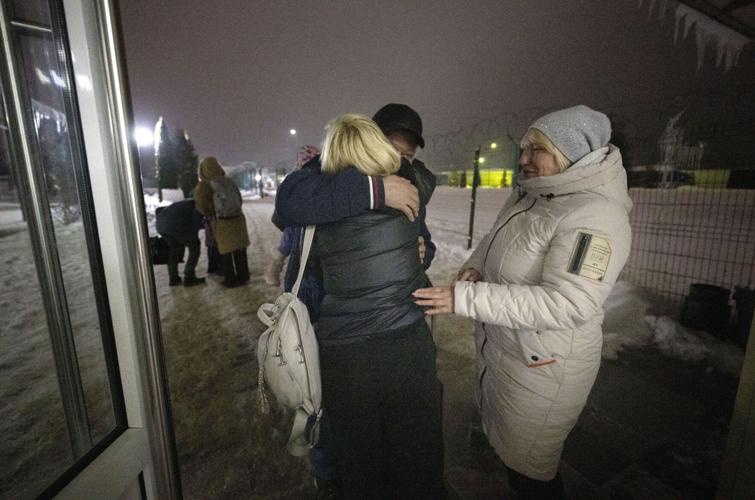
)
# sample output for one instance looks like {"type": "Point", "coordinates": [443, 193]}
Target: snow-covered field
{"type": "Point", "coordinates": [679, 236]}
{"type": "Point", "coordinates": [227, 448]}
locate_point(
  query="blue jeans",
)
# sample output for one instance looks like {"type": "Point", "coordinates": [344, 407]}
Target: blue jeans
{"type": "Point", "coordinates": [322, 456]}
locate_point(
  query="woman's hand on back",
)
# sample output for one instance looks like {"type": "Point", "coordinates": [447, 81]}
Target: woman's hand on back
{"type": "Point", "coordinates": [439, 299]}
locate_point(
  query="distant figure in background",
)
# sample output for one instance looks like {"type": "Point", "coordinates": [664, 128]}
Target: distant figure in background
{"type": "Point", "coordinates": [178, 224]}
{"type": "Point", "coordinates": [273, 270]}
{"type": "Point", "coordinates": [219, 200]}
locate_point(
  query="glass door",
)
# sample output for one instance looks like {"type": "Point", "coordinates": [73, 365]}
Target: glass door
{"type": "Point", "coordinates": [81, 378]}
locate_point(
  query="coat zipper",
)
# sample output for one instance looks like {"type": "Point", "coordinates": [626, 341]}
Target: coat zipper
{"type": "Point", "coordinates": [485, 333]}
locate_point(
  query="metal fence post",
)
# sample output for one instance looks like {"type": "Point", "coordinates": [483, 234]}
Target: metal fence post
{"type": "Point", "coordinates": [475, 183]}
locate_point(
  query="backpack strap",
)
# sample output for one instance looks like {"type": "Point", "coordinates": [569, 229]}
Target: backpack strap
{"type": "Point", "coordinates": [309, 235]}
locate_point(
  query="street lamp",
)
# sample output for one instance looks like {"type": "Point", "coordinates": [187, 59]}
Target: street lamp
{"type": "Point", "coordinates": [295, 142]}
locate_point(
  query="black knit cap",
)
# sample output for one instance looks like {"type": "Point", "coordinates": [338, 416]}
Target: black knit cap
{"type": "Point", "coordinates": [394, 116]}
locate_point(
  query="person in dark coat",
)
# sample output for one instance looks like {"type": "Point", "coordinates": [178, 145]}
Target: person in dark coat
{"type": "Point", "coordinates": [381, 394]}
{"type": "Point", "coordinates": [178, 224]}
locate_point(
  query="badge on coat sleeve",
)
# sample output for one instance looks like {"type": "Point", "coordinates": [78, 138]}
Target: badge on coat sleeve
{"type": "Point", "coordinates": [590, 256]}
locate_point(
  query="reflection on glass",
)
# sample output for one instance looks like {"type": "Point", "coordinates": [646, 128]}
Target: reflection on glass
{"type": "Point", "coordinates": [51, 122]}
{"type": "Point", "coordinates": [35, 11]}
{"type": "Point", "coordinates": [35, 446]}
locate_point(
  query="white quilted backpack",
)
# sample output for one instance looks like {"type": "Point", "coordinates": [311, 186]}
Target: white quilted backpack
{"type": "Point", "coordinates": [289, 363]}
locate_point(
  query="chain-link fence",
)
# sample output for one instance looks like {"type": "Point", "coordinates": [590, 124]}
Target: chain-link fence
{"type": "Point", "coordinates": [691, 172]}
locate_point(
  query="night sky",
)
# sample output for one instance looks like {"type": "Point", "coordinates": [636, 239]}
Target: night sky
{"type": "Point", "coordinates": [239, 74]}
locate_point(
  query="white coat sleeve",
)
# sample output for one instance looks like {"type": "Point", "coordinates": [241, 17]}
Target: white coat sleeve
{"type": "Point", "coordinates": [475, 261]}
{"type": "Point", "coordinates": [563, 300]}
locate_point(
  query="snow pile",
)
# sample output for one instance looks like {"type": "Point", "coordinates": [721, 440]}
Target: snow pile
{"type": "Point", "coordinates": [629, 323]}
{"type": "Point", "coordinates": [622, 326]}
{"type": "Point", "coordinates": [152, 202]}
{"type": "Point", "coordinates": [676, 341]}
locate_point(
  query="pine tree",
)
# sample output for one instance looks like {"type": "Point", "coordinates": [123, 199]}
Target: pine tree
{"type": "Point", "coordinates": [187, 163]}
{"type": "Point", "coordinates": [165, 164]}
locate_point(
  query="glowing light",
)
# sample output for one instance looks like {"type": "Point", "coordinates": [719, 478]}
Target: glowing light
{"type": "Point", "coordinates": [493, 145]}
{"type": "Point", "coordinates": [143, 136]}
{"type": "Point", "coordinates": [482, 160]}
{"type": "Point", "coordinates": [292, 131]}
{"type": "Point", "coordinates": [258, 177]}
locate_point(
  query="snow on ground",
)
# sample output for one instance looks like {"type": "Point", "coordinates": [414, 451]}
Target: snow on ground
{"type": "Point", "coordinates": [629, 322]}
{"type": "Point", "coordinates": [227, 448]}
{"type": "Point", "coordinates": [35, 446]}
{"type": "Point", "coordinates": [629, 314]}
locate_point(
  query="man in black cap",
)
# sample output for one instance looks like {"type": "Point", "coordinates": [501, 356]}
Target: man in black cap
{"type": "Point", "coordinates": [403, 128]}
{"type": "Point", "coordinates": [306, 197]}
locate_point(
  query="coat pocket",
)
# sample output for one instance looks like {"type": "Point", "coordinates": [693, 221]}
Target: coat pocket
{"type": "Point", "coordinates": [549, 360]}
{"type": "Point", "coordinates": [533, 353]}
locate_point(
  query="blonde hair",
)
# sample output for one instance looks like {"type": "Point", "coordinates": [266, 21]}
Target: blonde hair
{"type": "Point", "coordinates": [534, 137]}
{"type": "Point", "coordinates": [355, 140]}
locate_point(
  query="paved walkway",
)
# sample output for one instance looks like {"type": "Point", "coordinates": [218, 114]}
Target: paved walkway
{"type": "Point", "coordinates": [653, 428]}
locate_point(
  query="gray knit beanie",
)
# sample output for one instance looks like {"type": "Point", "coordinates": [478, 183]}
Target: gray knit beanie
{"type": "Point", "coordinates": [575, 131]}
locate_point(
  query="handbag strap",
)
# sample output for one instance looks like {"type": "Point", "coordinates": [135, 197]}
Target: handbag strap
{"type": "Point", "coordinates": [309, 235]}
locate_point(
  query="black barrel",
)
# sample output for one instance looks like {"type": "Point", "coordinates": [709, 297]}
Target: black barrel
{"type": "Point", "coordinates": [745, 299]}
{"type": "Point", "coordinates": [707, 308]}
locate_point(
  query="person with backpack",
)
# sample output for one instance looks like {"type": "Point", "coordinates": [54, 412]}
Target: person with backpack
{"type": "Point", "coordinates": [219, 200]}
{"type": "Point", "coordinates": [381, 395]}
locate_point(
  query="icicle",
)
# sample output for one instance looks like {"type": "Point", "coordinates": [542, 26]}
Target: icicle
{"type": "Point", "coordinates": [728, 43]}
{"type": "Point", "coordinates": [676, 29]}
{"type": "Point", "coordinates": [662, 9]}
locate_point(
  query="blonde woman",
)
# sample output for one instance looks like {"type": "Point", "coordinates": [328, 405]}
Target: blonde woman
{"type": "Point", "coordinates": [380, 389]}
{"type": "Point", "coordinates": [536, 286]}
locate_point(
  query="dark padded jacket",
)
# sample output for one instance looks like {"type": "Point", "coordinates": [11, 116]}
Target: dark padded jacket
{"type": "Point", "coordinates": [179, 219]}
{"type": "Point", "coordinates": [309, 197]}
{"type": "Point", "coordinates": [370, 267]}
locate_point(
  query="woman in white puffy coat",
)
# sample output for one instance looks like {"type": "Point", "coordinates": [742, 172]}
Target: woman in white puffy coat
{"type": "Point", "coordinates": [536, 285]}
